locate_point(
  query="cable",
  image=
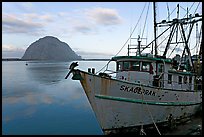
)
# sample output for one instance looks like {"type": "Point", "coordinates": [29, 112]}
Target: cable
{"type": "Point", "coordinates": [196, 8]}
{"type": "Point", "coordinates": [126, 41]}
{"type": "Point", "coordinates": [132, 31]}
{"type": "Point", "coordinates": [149, 113]}
{"type": "Point", "coordinates": [145, 20]}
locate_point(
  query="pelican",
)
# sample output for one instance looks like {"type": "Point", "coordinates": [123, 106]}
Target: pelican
{"type": "Point", "coordinates": [71, 67]}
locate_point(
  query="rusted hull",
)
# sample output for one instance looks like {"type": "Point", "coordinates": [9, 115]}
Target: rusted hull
{"type": "Point", "coordinates": [119, 104]}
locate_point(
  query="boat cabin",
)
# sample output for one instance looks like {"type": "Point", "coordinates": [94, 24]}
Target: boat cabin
{"type": "Point", "coordinates": [152, 71]}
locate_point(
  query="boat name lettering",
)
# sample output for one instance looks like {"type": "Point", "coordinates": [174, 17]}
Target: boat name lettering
{"type": "Point", "coordinates": [137, 90]}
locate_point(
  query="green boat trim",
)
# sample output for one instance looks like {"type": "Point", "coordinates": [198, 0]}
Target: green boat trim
{"type": "Point", "coordinates": [147, 102]}
{"type": "Point", "coordinates": [180, 73]}
{"type": "Point", "coordinates": [141, 58]}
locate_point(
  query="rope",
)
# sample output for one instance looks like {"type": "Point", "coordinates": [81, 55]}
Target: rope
{"type": "Point", "coordinates": [126, 41]}
{"type": "Point", "coordinates": [132, 32]}
{"type": "Point", "coordinates": [196, 8]}
{"type": "Point", "coordinates": [168, 11]}
{"type": "Point", "coordinates": [149, 112]}
{"type": "Point", "coordinates": [142, 130]}
{"type": "Point", "coordinates": [145, 20]}
{"type": "Point", "coordinates": [104, 66]}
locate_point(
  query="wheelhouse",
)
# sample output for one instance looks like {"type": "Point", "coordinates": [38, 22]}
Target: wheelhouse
{"type": "Point", "coordinates": [152, 71]}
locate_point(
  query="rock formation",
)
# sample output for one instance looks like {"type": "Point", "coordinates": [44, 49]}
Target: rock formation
{"type": "Point", "coordinates": [50, 48]}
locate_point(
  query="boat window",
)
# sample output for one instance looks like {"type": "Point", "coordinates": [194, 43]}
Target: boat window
{"type": "Point", "coordinates": [135, 65]}
{"type": "Point", "coordinates": [180, 79]}
{"type": "Point", "coordinates": [145, 66]}
{"type": "Point", "coordinates": [169, 79]}
{"type": "Point", "coordinates": [126, 65]}
{"type": "Point", "coordinates": [185, 79]}
{"type": "Point", "coordinates": [119, 66]}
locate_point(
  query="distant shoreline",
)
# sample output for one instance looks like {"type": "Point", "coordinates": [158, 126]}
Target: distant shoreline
{"type": "Point", "coordinates": [12, 59]}
{"type": "Point", "coordinates": [18, 59]}
{"type": "Point", "coordinates": [96, 59]}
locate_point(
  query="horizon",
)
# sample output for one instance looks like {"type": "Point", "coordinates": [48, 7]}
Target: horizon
{"type": "Point", "coordinates": [91, 29]}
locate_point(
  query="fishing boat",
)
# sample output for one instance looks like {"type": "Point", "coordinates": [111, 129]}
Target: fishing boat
{"type": "Point", "coordinates": [147, 89]}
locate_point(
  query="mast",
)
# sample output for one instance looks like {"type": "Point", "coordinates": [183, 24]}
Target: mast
{"type": "Point", "coordinates": [155, 29]}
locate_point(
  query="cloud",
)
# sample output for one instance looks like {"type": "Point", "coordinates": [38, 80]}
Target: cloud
{"type": "Point", "coordinates": [12, 24]}
{"type": "Point", "coordinates": [104, 16]}
{"type": "Point", "coordinates": [47, 17]}
{"type": "Point", "coordinates": [11, 48]}
{"type": "Point", "coordinates": [44, 18]}
{"type": "Point", "coordinates": [84, 21]}
{"type": "Point", "coordinates": [78, 22]}
{"type": "Point", "coordinates": [88, 54]}
{"type": "Point", "coordinates": [85, 29]}
{"type": "Point", "coordinates": [12, 51]}
{"type": "Point", "coordinates": [62, 14]}
{"type": "Point", "coordinates": [89, 21]}
{"type": "Point", "coordinates": [27, 6]}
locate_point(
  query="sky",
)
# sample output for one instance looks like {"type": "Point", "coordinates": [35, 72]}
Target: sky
{"type": "Point", "coordinates": [91, 29]}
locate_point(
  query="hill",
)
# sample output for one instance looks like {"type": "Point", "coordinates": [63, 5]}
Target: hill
{"type": "Point", "coordinates": [50, 48]}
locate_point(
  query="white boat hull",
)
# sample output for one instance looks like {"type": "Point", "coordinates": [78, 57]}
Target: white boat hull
{"type": "Point", "coordinates": [118, 104]}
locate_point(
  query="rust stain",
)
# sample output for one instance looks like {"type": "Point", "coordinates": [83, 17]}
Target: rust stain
{"type": "Point", "coordinates": [105, 83]}
{"type": "Point", "coordinates": [84, 83]}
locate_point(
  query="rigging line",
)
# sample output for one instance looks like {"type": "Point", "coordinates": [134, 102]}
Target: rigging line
{"type": "Point", "coordinates": [162, 41]}
{"type": "Point", "coordinates": [168, 11]}
{"type": "Point", "coordinates": [171, 13]}
{"type": "Point", "coordinates": [186, 48]}
{"type": "Point", "coordinates": [145, 20]}
{"type": "Point", "coordinates": [198, 43]}
{"type": "Point", "coordinates": [186, 27]}
{"type": "Point", "coordinates": [196, 8]}
{"type": "Point", "coordinates": [185, 30]}
{"type": "Point", "coordinates": [156, 38]}
{"type": "Point", "coordinates": [182, 8]}
{"type": "Point", "coordinates": [190, 8]}
{"type": "Point", "coordinates": [132, 31]}
{"type": "Point", "coordinates": [153, 120]}
{"type": "Point", "coordinates": [142, 130]}
{"type": "Point", "coordinates": [200, 38]}
{"type": "Point", "coordinates": [174, 49]}
{"type": "Point", "coordinates": [148, 111]}
{"type": "Point", "coordinates": [194, 47]}
{"type": "Point", "coordinates": [200, 32]}
{"type": "Point", "coordinates": [126, 41]}
{"type": "Point", "coordinates": [104, 67]}
{"type": "Point", "coordinates": [176, 8]}
{"type": "Point", "coordinates": [179, 41]}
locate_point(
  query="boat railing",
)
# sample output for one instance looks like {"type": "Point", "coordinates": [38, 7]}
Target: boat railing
{"type": "Point", "coordinates": [163, 82]}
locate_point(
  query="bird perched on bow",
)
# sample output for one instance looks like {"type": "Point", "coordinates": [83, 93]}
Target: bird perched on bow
{"type": "Point", "coordinates": [71, 67]}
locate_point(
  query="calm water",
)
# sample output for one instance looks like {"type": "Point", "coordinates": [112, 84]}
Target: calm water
{"type": "Point", "coordinates": [36, 99]}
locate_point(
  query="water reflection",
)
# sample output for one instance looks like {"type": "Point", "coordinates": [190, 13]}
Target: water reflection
{"type": "Point", "coordinates": [36, 99]}
{"type": "Point", "coordinates": [47, 72]}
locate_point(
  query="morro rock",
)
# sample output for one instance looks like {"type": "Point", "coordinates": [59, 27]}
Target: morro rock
{"type": "Point", "coordinates": [50, 48]}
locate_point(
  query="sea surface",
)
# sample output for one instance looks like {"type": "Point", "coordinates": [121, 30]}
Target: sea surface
{"type": "Point", "coordinates": [38, 100]}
